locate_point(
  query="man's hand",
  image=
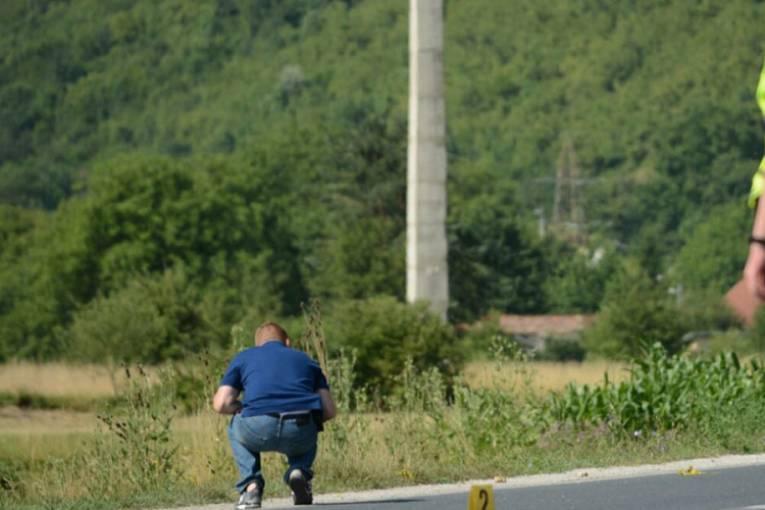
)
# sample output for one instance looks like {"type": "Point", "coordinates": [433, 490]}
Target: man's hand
{"type": "Point", "coordinates": [754, 271]}
{"type": "Point", "coordinates": [225, 400]}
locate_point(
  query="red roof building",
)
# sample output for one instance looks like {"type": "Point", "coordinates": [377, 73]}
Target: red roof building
{"type": "Point", "coordinates": [545, 325]}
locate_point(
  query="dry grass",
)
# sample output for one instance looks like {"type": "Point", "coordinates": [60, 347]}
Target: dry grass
{"type": "Point", "coordinates": [540, 376]}
{"type": "Point", "coordinates": [204, 455]}
{"type": "Point", "coordinates": [57, 379]}
{"type": "Point", "coordinates": [61, 379]}
{"type": "Point", "coordinates": [28, 422]}
{"type": "Point", "coordinates": [67, 380]}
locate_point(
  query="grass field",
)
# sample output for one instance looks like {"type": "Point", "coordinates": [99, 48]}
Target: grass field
{"type": "Point", "coordinates": [99, 381]}
{"type": "Point", "coordinates": [59, 379]}
{"type": "Point", "coordinates": [33, 434]}
{"type": "Point", "coordinates": [542, 376]}
{"type": "Point", "coordinates": [358, 452]}
{"type": "Point", "coordinates": [65, 459]}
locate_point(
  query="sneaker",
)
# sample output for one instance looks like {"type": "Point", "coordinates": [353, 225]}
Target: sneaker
{"type": "Point", "coordinates": [302, 493]}
{"type": "Point", "coordinates": [249, 500]}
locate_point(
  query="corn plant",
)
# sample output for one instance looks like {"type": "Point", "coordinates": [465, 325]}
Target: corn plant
{"type": "Point", "coordinates": [664, 392]}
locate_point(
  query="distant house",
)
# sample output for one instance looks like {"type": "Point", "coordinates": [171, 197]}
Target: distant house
{"type": "Point", "coordinates": [533, 330]}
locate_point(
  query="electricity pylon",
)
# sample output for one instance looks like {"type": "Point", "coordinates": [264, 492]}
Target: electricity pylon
{"type": "Point", "coordinates": [568, 212]}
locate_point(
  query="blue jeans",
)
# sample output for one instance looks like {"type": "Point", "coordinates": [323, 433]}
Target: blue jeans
{"type": "Point", "coordinates": [255, 434]}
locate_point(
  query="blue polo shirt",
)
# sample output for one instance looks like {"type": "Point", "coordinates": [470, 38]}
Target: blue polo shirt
{"type": "Point", "coordinates": [275, 379]}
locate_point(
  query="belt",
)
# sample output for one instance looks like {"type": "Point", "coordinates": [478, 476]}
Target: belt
{"type": "Point", "coordinates": [301, 418]}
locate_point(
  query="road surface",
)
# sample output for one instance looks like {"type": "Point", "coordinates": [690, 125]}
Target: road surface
{"type": "Point", "coordinates": [726, 483]}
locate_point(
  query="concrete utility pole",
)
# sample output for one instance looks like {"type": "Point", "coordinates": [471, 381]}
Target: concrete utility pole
{"type": "Point", "coordinates": [427, 275]}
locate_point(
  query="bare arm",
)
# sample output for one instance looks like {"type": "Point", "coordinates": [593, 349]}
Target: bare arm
{"type": "Point", "coordinates": [225, 400]}
{"type": "Point", "coordinates": [754, 272]}
{"type": "Point", "coordinates": [328, 408]}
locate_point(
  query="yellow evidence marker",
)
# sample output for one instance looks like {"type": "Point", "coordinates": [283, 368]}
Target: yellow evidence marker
{"type": "Point", "coordinates": [691, 471]}
{"type": "Point", "coordinates": [481, 497]}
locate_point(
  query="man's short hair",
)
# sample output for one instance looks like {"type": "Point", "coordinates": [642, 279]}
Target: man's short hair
{"type": "Point", "coordinates": [270, 331]}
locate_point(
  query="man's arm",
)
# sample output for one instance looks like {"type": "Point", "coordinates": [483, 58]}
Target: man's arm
{"type": "Point", "coordinates": [225, 400]}
{"type": "Point", "coordinates": [754, 272]}
{"type": "Point", "coordinates": [328, 408]}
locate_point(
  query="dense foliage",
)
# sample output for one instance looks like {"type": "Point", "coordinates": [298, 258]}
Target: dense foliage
{"type": "Point", "coordinates": [193, 163]}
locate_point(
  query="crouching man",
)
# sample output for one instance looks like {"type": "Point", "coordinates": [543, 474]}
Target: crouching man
{"type": "Point", "coordinates": [286, 400]}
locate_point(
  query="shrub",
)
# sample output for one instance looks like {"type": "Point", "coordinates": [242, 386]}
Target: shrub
{"type": "Point", "coordinates": [150, 320]}
{"type": "Point", "coordinates": [384, 333]}
{"type": "Point", "coordinates": [562, 349]}
{"type": "Point", "coordinates": [478, 338]}
{"type": "Point", "coordinates": [636, 313]}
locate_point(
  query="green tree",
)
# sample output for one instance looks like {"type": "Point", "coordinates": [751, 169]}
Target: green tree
{"type": "Point", "coordinates": [494, 262]}
{"type": "Point", "coordinates": [217, 222]}
{"type": "Point", "coordinates": [578, 282]}
{"type": "Point", "coordinates": [715, 251]}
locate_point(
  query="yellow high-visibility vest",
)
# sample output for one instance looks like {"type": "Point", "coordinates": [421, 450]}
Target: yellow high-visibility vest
{"type": "Point", "coordinates": [758, 181]}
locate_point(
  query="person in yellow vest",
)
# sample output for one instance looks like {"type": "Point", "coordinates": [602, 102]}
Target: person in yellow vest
{"type": "Point", "coordinates": [754, 271]}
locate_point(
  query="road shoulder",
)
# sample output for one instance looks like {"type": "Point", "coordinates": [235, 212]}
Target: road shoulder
{"type": "Point", "coordinates": [582, 475]}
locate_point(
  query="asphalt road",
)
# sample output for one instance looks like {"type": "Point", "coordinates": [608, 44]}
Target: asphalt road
{"type": "Point", "coordinates": [726, 489]}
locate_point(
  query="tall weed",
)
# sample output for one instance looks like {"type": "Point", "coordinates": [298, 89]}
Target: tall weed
{"type": "Point", "coordinates": [138, 448]}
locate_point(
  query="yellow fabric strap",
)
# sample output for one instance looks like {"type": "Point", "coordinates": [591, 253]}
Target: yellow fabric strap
{"type": "Point", "coordinates": [758, 185]}
{"type": "Point", "coordinates": [758, 181]}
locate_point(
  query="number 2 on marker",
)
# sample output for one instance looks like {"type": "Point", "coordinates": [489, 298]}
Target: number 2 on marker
{"type": "Point", "coordinates": [481, 497]}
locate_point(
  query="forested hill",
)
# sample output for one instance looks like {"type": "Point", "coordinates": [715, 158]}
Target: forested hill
{"type": "Point", "coordinates": [151, 149]}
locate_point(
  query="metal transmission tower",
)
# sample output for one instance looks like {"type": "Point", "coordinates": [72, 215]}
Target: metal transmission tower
{"type": "Point", "coordinates": [426, 249]}
{"type": "Point", "coordinates": [568, 212]}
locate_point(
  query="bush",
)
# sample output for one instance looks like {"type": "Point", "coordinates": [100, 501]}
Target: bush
{"type": "Point", "coordinates": [636, 313]}
{"type": "Point", "coordinates": [384, 333]}
{"type": "Point", "coordinates": [478, 338]}
{"type": "Point", "coordinates": [562, 349]}
{"type": "Point", "coordinates": [149, 320]}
